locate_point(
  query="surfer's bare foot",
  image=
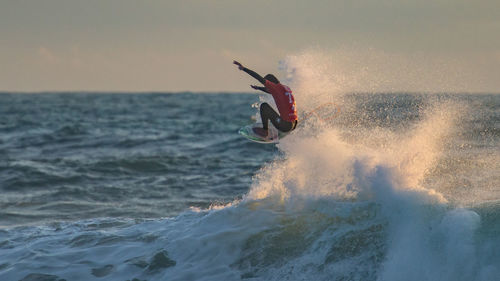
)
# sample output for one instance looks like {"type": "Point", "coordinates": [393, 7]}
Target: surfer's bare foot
{"type": "Point", "coordinates": [260, 131]}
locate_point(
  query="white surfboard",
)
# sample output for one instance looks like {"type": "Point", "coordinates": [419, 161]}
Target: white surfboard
{"type": "Point", "coordinates": [274, 135]}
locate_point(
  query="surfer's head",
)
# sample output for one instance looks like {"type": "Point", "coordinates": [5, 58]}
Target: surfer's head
{"type": "Point", "coordinates": [272, 78]}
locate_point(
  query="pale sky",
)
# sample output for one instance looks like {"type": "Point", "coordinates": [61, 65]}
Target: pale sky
{"type": "Point", "coordinates": [189, 45]}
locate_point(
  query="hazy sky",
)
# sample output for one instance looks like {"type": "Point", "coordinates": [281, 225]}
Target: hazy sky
{"type": "Point", "coordinates": [140, 45]}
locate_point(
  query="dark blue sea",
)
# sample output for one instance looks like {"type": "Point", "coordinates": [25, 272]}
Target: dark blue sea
{"type": "Point", "coordinates": [159, 186]}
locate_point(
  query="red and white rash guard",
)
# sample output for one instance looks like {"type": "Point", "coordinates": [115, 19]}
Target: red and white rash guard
{"type": "Point", "coordinates": [284, 100]}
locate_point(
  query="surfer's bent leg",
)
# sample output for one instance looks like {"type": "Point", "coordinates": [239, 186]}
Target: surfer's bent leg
{"type": "Point", "coordinates": [267, 113]}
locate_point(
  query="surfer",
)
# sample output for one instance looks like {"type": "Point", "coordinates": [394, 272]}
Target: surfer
{"type": "Point", "coordinates": [286, 120]}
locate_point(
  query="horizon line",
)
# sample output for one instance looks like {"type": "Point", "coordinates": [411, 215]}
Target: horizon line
{"type": "Point", "coordinates": [227, 92]}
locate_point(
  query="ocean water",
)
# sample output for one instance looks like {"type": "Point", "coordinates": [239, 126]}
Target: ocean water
{"type": "Point", "coordinates": [78, 156]}
{"type": "Point", "coordinates": [394, 186]}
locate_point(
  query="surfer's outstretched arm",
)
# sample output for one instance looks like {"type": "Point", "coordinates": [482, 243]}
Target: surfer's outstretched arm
{"type": "Point", "coordinates": [251, 72]}
{"type": "Point", "coordinates": [263, 89]}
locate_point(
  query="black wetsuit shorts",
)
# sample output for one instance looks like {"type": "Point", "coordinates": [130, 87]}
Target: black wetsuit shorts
{"type": "Point", "coordinates": [267, 113]}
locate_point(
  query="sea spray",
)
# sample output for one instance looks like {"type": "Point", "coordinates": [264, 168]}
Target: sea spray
{"type": "Point", "coordinates": [318, 165]}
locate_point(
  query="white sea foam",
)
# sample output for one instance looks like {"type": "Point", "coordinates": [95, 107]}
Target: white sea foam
{"type": "Point", "coordinates": [426, 238]}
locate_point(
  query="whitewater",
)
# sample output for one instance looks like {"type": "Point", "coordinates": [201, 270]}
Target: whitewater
{"type": "Point", "coordinates": [396, 186]}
